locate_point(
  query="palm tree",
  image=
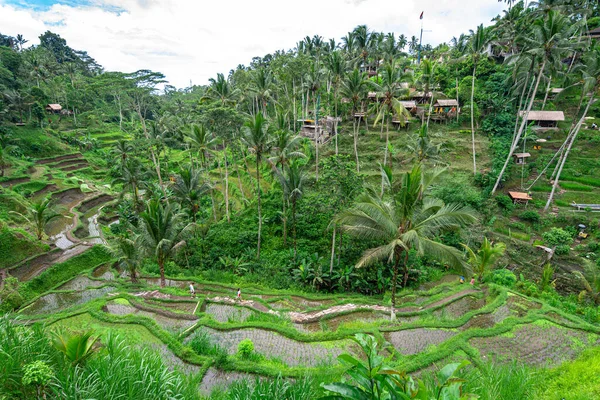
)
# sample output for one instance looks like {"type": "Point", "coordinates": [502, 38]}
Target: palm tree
{"type": "Point", "coordinates": [390, 92]}
{"type": "Point", "coordinates": [38, 215]}
{"type": "Point", "coordinates": [477, 46]}
{"type": "Point", "coordinates": [486, 257]}
{"type": "Point", "coordinates": [408, 221]}
{"type": "Point", "coordinates": [426, 81]}
{"type": "Point", "coordinates": [201, 140]}
{"type": "Point", "coordinates": [127, 252]}
{"type": "Point", "coordinates": [133, 176]}
{"type": "Point", "coordinates": [550, 41]}
{"type": "Point", "coordinates": [313, 80]}
{"type": "Point", "coordinates": [292, 180]}
{"type": "Point", "coordinates": [256, 136]}
{"type": "Point", "coordinates": [591, 84]}
{"type": "Point", "coordinates": [162, 233]}
{"type": "Point", "coordinates": [188, 188]}
{"type": "Point", "coordinates": [425, 151]}
{"type": "Point", "coordinates": [221, 89]}
{"type": "Point", "coordinates": [21, 41]}
{"type": "Point", "coordinates": [121, 151]}
{"type": "Point", "coordinates": [337, 67]}
{"type": "Point", "coordinates": [262, 88]}
{"type": "Point", "coordinates": [353, 88]}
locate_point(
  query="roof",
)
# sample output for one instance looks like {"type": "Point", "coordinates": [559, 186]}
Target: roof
{"type": "Point", "coordinates": [519, 196]}
{"type": "Point", "coordinates": [556, 90]}
{"type": "Point", "coordinates": [55, 107]}
{"type": "Point", "coordinates": [521, 155]}
{"type": "Point", "coordinates": [447, 102]}
{"type": "Point", "coordinates": [545, 115]}
{"type": "Point", "coordinates": [372, 94]}
{"type": "Point", "coordinates": [408, 104]}
{"type": "Point", "coordinates": [421, 94]}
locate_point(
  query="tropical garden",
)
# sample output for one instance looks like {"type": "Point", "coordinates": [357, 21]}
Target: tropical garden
{"type": "Point", "coordinates": [338, 220]}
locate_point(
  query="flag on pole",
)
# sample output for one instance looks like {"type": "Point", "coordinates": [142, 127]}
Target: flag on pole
{"type": "Point", "coordinates": [421, 17]}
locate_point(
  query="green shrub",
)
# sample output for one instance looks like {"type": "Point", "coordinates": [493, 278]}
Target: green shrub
{"type": "Point", "coordinates": [562, 249]}
{"type": "Point", "coordinates": [557, 236]}
{"type": "Point", "coordinates": [245, 348]}
{"type": "Point", "coordinates": [504, 202]}
{"type": "Point", "coordinates": [503, 277]}
{"type": "Point", "coordinates": [530, 216]}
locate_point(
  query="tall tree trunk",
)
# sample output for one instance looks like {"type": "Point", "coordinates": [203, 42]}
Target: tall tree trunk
{"type": "Point", "coordinates": [335, 121]}
{"type": "Point", "coordinates": [394, 284]}
{"type": "Point", "coordinates": [226, 183]}
{"type": "Point", "coordinates": [332, 251]}
{"type": "Point", "coordinates": [239, 179]}
{"type": "Point", "coordinates": [430, 107]}
{"type": "Point", "coordinates": [152, 154]}
{"type": "Point", "coordinates": [546, 94]}
{"type": "Point", "coordinates": [294, 228]}
{"type": "Point", "coordinates": [316, 140]}
{"type": "Point", "coordinates": [258, 199]}
{"type": "Point", "coordinates": [564, 159]}
{"type": "Point", "coordinates": [161, 267]}
{"type": "Point", "coordinates": [457, 105]}
{"type": "Point", "coordinates": [523, 123]}
{"type": "Point", "coordinates": [284, 218]}
{"type": "Point", "coordinates": [355, 131]}
{"type": "Point", "coordinates": [473, 119]}
{"type": "Point", "coordinates": [385, 153]}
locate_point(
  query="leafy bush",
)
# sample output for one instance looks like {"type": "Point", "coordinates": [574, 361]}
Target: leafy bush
{"type": "Point", "coordinates": [562, 249]}
{"type": "Point", "coordinates": [503, 277]}
{"type": "Point", "coordinates": [245, 348]}
{"type": "Point", "coordinates": [530, 216]}
{"type": "Point", "coordinates": [557, 236]}
{"type": "Point", "coordinates": [504, 202]}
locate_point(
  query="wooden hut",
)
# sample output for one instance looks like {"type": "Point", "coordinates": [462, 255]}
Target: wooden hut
{"type": "Point", "coordinates": [372, 96]}
{"type": "Point", "coordinates": [53, 108]}
{"type": "Point", "coordinates": [446, 106]}
{"type": "Point", "coordinates": [545, 119]}
{"type": "Point", "coordinates": [554, 92]}
{"type": "Point", "coordinates": [410, 105]}
{"type": "Point", "coordinates": [520, 158]}
{"type": "Point", "coordinates": [421, 97]}
{"type": "Point", "coordinates": [520, 197]}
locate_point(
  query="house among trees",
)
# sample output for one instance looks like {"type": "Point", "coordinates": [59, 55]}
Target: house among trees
{"type": "Point", "coordinates": [372, 96]}
{"type": "Point", "coordinates": [421, 97]}
{"type": "Point", "coordinates": [554, 92]}
{"type": "Point", "coordinates": [53, 108]}
{"type": "Point", "coordinates": [446, 106]}
{"type": "Point", "coordinates": [410, 105]}
{"type": "Point", "coordinates": [519, 197]}
{"type": "Point", "coordinates": [545, 119]}
{"type": "Point", "coordinates": [520, 158]}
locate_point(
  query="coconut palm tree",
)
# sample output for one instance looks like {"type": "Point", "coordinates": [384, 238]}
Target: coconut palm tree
{"type": "Point", "coordinates": [38, 215]}
{"type": "Point", "coordinates": [133, 176]}
{"type": "Point", "coordinates": [550, 41]}
{"type": "Point", "coordinates": [127, 253]}
{"type": "Point", "coordinates": [591, 84]}
{"type": "Point", "coordinates": [262, 86]}
{"type": "Point", "coordinates": [221, 89]}
{"type": "Point", "coordinates": [354, 87]}
{"type": "Point", "coordinates": [255, 135]}
{"type": "Point", "coordinates": [313, 80]}
{"type": "Point", "coordinates": [390, 92]}
{"type": "Point", "coordinates": [477, 46]}
{"type": "Point", "coordinates": [336, 64]}
{"type": "Point", "coordinates": [200, 140]}
{"type": "Point", "coordinates": [162, 233]}
{"type": "Point", "coordinates": [486, 257]}
{"type": "Point", "coordinates": [292, 180]}
{"type": "Point", "coordinates": [121, 151]}
{"type": "Point", "coordinates": [409, 220]}
{"type": "Point", "coordinates": [189, 188]}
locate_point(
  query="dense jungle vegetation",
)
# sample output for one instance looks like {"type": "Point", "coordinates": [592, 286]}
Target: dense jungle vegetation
{"type": "Point", "coordinates": [332, 174]}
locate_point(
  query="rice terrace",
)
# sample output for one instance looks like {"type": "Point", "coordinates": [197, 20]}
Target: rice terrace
{"type": "Point", "coordinates": [404, 211]}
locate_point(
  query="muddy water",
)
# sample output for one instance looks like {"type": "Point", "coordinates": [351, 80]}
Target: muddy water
{"type": "Point", "coordinates": [168, 282]}
{"type": "Point", "coordinates": [54, 302]}
{"type": "Point", "coordinates": [103, 272]}
{"type": "Point", "coordinates": [80, 283]}
{"type": "Point", "coordinates": [59, 227]}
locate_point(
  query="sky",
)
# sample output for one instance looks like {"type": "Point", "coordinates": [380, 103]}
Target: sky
{"type": "Point", "coordinates": [193, 40]}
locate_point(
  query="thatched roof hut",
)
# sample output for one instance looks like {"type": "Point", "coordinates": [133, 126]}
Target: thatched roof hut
{"type": "Point", "coordinates": [545, 119]}
{"type": "Point", "coordinates": [53, 108]}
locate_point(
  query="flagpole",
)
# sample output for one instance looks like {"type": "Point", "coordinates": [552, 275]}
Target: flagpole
{"type": "Point", "coordinates": [420, 40]}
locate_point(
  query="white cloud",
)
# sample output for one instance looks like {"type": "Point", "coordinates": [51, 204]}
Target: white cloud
{"type": "Point", "coordinates": [195, 39]}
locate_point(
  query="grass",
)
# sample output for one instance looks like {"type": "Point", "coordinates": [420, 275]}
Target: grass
{"type": "Point", "coordinates": [17, 245]}
{"type": "Point", "coordinates": [578, 187]}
